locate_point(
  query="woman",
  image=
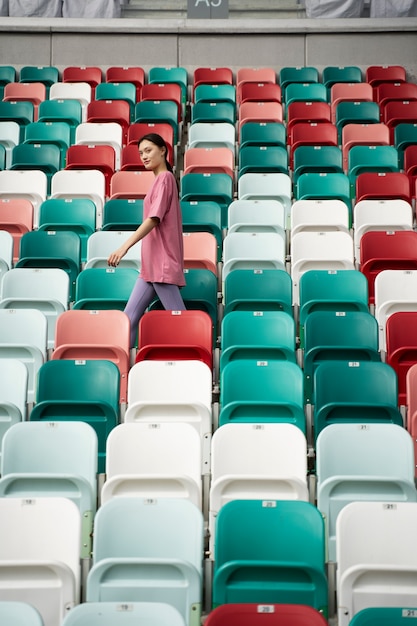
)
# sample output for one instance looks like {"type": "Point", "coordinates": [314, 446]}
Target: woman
{"type": "Point", "coordinates": [162, 253]}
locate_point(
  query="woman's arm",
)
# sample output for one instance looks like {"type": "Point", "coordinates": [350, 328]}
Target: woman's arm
{"type": "Point", "coordinates": [141, 232]}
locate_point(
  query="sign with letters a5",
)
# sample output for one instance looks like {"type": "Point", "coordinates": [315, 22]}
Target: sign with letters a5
{"type": "Point", "coordinates": [208, 9]}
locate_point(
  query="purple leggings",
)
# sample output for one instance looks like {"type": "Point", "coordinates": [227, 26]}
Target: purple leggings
{"type": "Point", "coordinates": [143, 293]}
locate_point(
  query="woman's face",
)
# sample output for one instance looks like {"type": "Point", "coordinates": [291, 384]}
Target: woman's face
{"type": "Point", "coordinates": [153, 157]}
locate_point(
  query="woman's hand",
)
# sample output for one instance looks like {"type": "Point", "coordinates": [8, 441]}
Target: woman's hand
{"type": "Point", "coordinates": [116, 256]}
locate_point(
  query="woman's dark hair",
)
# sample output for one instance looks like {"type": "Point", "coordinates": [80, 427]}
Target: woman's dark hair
{"type": "Point", "coordinates": [158, 141]}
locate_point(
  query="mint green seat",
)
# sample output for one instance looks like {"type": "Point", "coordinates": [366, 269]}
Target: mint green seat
{"type": "Point", "coordinates": [270, 552]}
{"type": "Point", "coordinates": [260, 335]}
{"type": "Point", "coordinates": [122, 213]}
{"type": "Point", "coordinates": [316, 159]}
{"type": "Point", "coordinates": [331, 290]}
{"type": "Point", "coordinates": [80, 390]}
{"type": "Point", "coordinates": [104, 288]}
{"type": "Point", "coordinates": [263, 134]}
{"type": "Point", "coordinates": [258, 290]}
{"type": "Point", "coordinates": [38, 156]}
{"type": "Point", "coordinates": [19, 613]}
{"type": "Point", "coordinates": [59, 459]}
{"type": "Point", "coordinates": [117, 91]}
{"type": "Point", "coordinates": [337, 335]}
{"type": "Point", "coordinates": [202, 111]}
{"type": "Point", "coordinates": [217, 187]}
{"type": "Point", "coordinates": [57, 133]}
{"type": "Point", "coordinates": [158, 111]}
{"type": "Point", "coordinates": [47, 248]}
{"type": "Point", "coordinates": [68, 111]}
{"type": "Point", "coordinates": [263, 159]}
{"type": "Point", "coordinates": [122, 614]}
{"type": "Point", "coordinates": [205, 92]}
{"type": "Point", "coordinates": [383, 616]}
{"type": "Point", "coordinates": [262, 391]}
{"type": "Point", "coordinates": [355, 392]}
{"type": "Point", "coordinates": [69, 214]}
{"type": "Point", "coordinates": [288, 75]}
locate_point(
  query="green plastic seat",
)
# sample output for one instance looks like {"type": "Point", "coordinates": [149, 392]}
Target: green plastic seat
{"type": "Point", "coordinates": [356, 112]}
{"type": "Point", "coordinates": [258, 290]}
{"type": "Point", "coordinates": [117, 91]}
{"type": "Point", "coordinates": [355, 392]}
{"type": "Point", "coordinates": [263, 159]}
{"type": "Point", "coordinates": [288, 75]}
{"type": "Point", "coordinates": [332, 74]}
{"type": "Point", "coordinates": [325, 185]}
{"type": "Point", "coordinates": [217, 187]}
{"type": "Point", "coordinates": [383, 616]}
{"type": "Point", "coordinates": [47, 74]}
{"type": "Point", "coordinates": [404, 135]}
{"type": "Point", "coordinates": [205, 92]}
{"type": "Point", "coordinates": [46, 248]}
{"type": "Point", "coordinates": [122, 213]}
{"type": "Point", "coordinates": [37, 156]}
{"type": "Point", "coordinates": [263, 134]}
{"type": "Point", "coordinates": [69, 111]}
{"type": "Point", "coordinates": [74, 214]}
{"type": "Point", "coordinates": [331, 290]}
{"type": "Point", "coordinates": [57, 133]}
{"type": "Point", "coordinates": [219, 111]}
{"type": "Point", "coordinates": [262, 391]}
{"type": "Point", "coordinates": [104, 288]}
{"type": "Point", "coordinates": [364, 158]}
{"type": "Point", "coordinates": [203, 216]}
{"type": "Point", "coordinates": [8, 74]}
{"type": "Point", "coordinates": [80, 390]}
{"type": "Point", "coordinates": [270, 551]}
{"type": "Point", "coordinates": [305, 92]}
{"type": "Point", "coordinates": [337, 335]}
{"type": "Point", "coordinates": [316, 159]}
{"type": "Point", "coordinates": [157, 111]}
{"type": "Point", "coordinates": [20, 111]}
{"type": "Point", "coordinates": [170, 75]}
{"type": "Point", "coordinates": [260, 335]}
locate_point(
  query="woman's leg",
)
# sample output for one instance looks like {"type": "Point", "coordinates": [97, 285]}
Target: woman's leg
{"type": "Point", "coordinates": [142, 295]}
{"type": "Point", "coordinates": [170, 296]}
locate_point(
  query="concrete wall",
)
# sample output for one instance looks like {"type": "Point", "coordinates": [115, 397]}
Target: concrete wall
{"type": "Point", "coordinates": [210, 43]}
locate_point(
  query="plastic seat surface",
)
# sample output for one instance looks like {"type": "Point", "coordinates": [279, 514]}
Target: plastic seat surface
{"type": "Point", "coordinates": [19, 613]}
{"type": "Point", "coordinates": [123, 614]}
{"type": "Point", "coordinates": [104, 287]}
{"type": "Point", "coordinates": [24, 184]}
{"type": "Point", "coordinates": [259, 614]}
{"type": "Point", "coordinates": [382, 616]}
{"type": "Point", "coordinates": [101, 243]}
{"type": "Point", "coordinates": [258, 290]}
{"type": "Point", "coordinates": [81, 184]}
{"type": "Point", "coordinates": [401, 347]}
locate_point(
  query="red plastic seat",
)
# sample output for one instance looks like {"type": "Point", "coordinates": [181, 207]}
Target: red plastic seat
{"type": "Point", "coordinates": [375, 75]}
{"type": "Point", "coordinates": [175, 335]}
{"type": "Point", "coordinates": [139, 129]}
{"type": "Point", "coordinates": [163, 91]}
{"type": "Point", "coordinates": [93, 157]}
{"type": "Point", "coordinates": [131, 184]}
{"type": "Point", "coordinates": [383, 186]}
{"type": "Point", "coordinates": [80, 74]}
{"type": "Point", "coordinates": [399, 112]}
{"type": "Point", "coordinates": [387, 92]}
{"type": "Point", "coordinates": [401, 347]}
{"type": "Point", "coordinates": [386, 250]}
{"type": "Point", "coordinates": [265, 615]}
{"type": "Point", "coordinates": [253, 75]}
{"type": "Point", "coordinates": [313, 134]}
{"type": "Point", "coordinates": [102, 334]}
{"type": "Point", "coordinates": [16, 216]}
{"type": "Point", "coordinates": [212, 76]}
{"type": "Point", "coordinates": [130, 158]}
{"type": "Point", "coordinates": [134, 75]}
{"type": "Point", "coordinates": [110, 111]}
{"type": "Point", "coordinates": [260, 92]}
{"type": "Point", "coordinates": [298, 112]}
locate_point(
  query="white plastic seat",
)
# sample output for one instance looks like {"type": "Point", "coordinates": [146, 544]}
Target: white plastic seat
{"type": "Point", "coordinates": [156, 460]}
{"type": "Point", "coordinates": [212, 135]}
{"type": "Point", "coordinates": [9, 138]}
{"type": "Point", "coordinates": [167, 391]}
{"type": "Point", "coordinates": [376, 556]}
{"type": "Point", "coordinates": [256, 216]}
{"type": "Point", "coordinates": [72, 91]}
{"type": "Point", "coordinates": [45, 289]}
{"type": "Point", "coordinates": [81, 184]}
{"type": "Point", "coordinates": [395, 290]}
{"type": "Point", "coordinates": [319, 250]}
{"type": "Point", "coordinates": [123, 614]}
{"type": "Point", "coordinates": [266, 186]}
{"type": "Point", "coordinates": [253, 250]}
{"type": "Point", "coordinates": [319, 215]}
{"type": "Point", "coordinates": [29, 184]}
{"type": "Point", "coordinates": [362, 462]}
{"type": "Point", "coordinates": [23, 336]}
{"type": "Point", "coordinates": [13, 394]}
{"type": "Point", "coordinates": [256, 462]}
{"type": "Point", "coordinates": [149, 549]}
{"type": "Point", "coordinates": [107, 133]}
{"type": "Point", "coordinates": [380, 215]}
{"type": "Point", "coordinates": [103, 242]}
{"type": "Point", "coordinates": [40, 554]}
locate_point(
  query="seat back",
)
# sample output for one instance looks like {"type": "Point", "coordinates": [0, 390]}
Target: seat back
{"type": "Point", "coordinates": [123, 614]}
{"type": "Point", "coordinates": [260, 614]}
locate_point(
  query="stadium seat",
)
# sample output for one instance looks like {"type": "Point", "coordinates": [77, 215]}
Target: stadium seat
{"type": "Point", "coordinates": [212, 76]}
{"type": "Point", "coordinates": [160, 460]}
{"type": "Point", "coordinates": [250, 91]}
{"type": "Point", "coordinates": [104, 287]}
{"type": "Point", "coordinates": [254, 75]}
{"type": "Point", "coordinates": [218, 92]}
{"type": "Point", "coordinates": [256, 538]}
{"type": "Point", "coordinates": [29, 92]}
{"type": "Point", "coordinates": [21, 112]}
{"type": "Point", "coordinates": [159, 111]}
{"type": "Point", "coordinates": [253, 462]}
{"type": "Point", "coordinates": [24, 184]}
{"type": "Point", "coordinates": [366, 462]}
{"type": "Point", "coordinates": [39, 157]}
{"type": "Point", "coordinates": [351, 92]}
{"type": "Point", "coordinates": [305, 111]}
{"type": "Point", "coordinates": [83, 74]}
{"type": "Point", "coordinates": [258, 290]}
{"type": "Point", "coordinates": [174, 74]}
{"type": "Point", "coordinates": [332, 74]}
{"type": "Point", "coordinates": [316, 158]}
{"type": "Point", "coordinates": [250, 614]}
{"type": "Point", "coordinates": [209, 161]}
{"type": "Point", "coordinates": [256, 216]}
{"type": "Point", "coordinates": [115, 90]}
{"type": "Point", "coordinates": [46, 74]}
{"type": "Point", "coordinates": [262, 392]}
{"type": "Point", "coordinates": [127, 74]}
{"type": "Point", "coordinates": [79, 91]}
{"type": "Point", "coordinates": [92, 156]}
{"type": "Point", "coordinates": [265, 112]}
{"type": "Point", "coordinates": [204, 216]}
{"type": "Point", "coordinates": [158, 554]}
{"type": "Point", "coordinates": [356, 112]}
{"type": "Point", "coordinates": [175, 335]}
{"type": "Point", "coordinates": [95, 335]}
{"type": "Point", "coordinates": [110, 111]}
{"type": "Point", "coordinates": [313, 134]}
{"type": "Point", "coordinates": [200, 251]}
{"type": "Point", "coordinates": [305, 92]}
{"type": "Point", "coordinates": [319, 215]}
{"type": "Point", "coordinates": [102, 243]}
{"type": "Point", "coordinates": [217, 187]}
{"type": "Point", "coordinates": [401, 347]}
{"type": "Point", "coordinates": [10, 136]}
{"type": "Point", "coordinates": [213, 112]}
{"type": "Point", "coordinates": [107, 133]}
{"type": "Point", "coordinates": [81, 184]}
{"type": "Point", "coordinates": [8, 73]}
{"type": "Point", "coordinates": [57, 133]}
{"type": "Point", "coordinates": [369, 577]}
{"type": "Point", "coordinates": [130, 184]}
{"type": "Point", "coordinates": [263, 134]}
{"type": "Point", "coordinates": [20, 613]}
{"type": "Point", "coordinates": [13, 393]}
{"type": "Point", "coordinates": [263, 159]}
{"type": "Point", "coordinates": [253, 250]}
{"type": "Point", "coordinates": [381, 616]}
{"type": "Point", "coordinates": [399, 112]}
{"type": "Point", "coordinates": [266, 186]}
{"type": "Point", "coordinates": [54, 459]}
{"type": "Point", "coordinates": [367, 134]}
{"type": "Point", "coordinates": [122, 614]}
{"type": "Point", "coordinates": [383, 186]}
{"type": "Point", "coordinates": [375, 75]}
{"type": "Point", "coordinates": [404, 135]}
{"type": "Point", "coordinates": [411, 414]}
{"type": "Point", "coordinates": [40, 561]}
{"type": "Point", "coordinates": [354, 392]}
{"type": "Point", "coordinates": [211, 135]}
{"type": "Point", "coordinates": [289, 75]}
{"type": "Point", "coordinates": [122, 214]}
{"type": "Point", "coordinates": [137, 131]}
{"type": "Point", "coordinates": [62, 110]}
